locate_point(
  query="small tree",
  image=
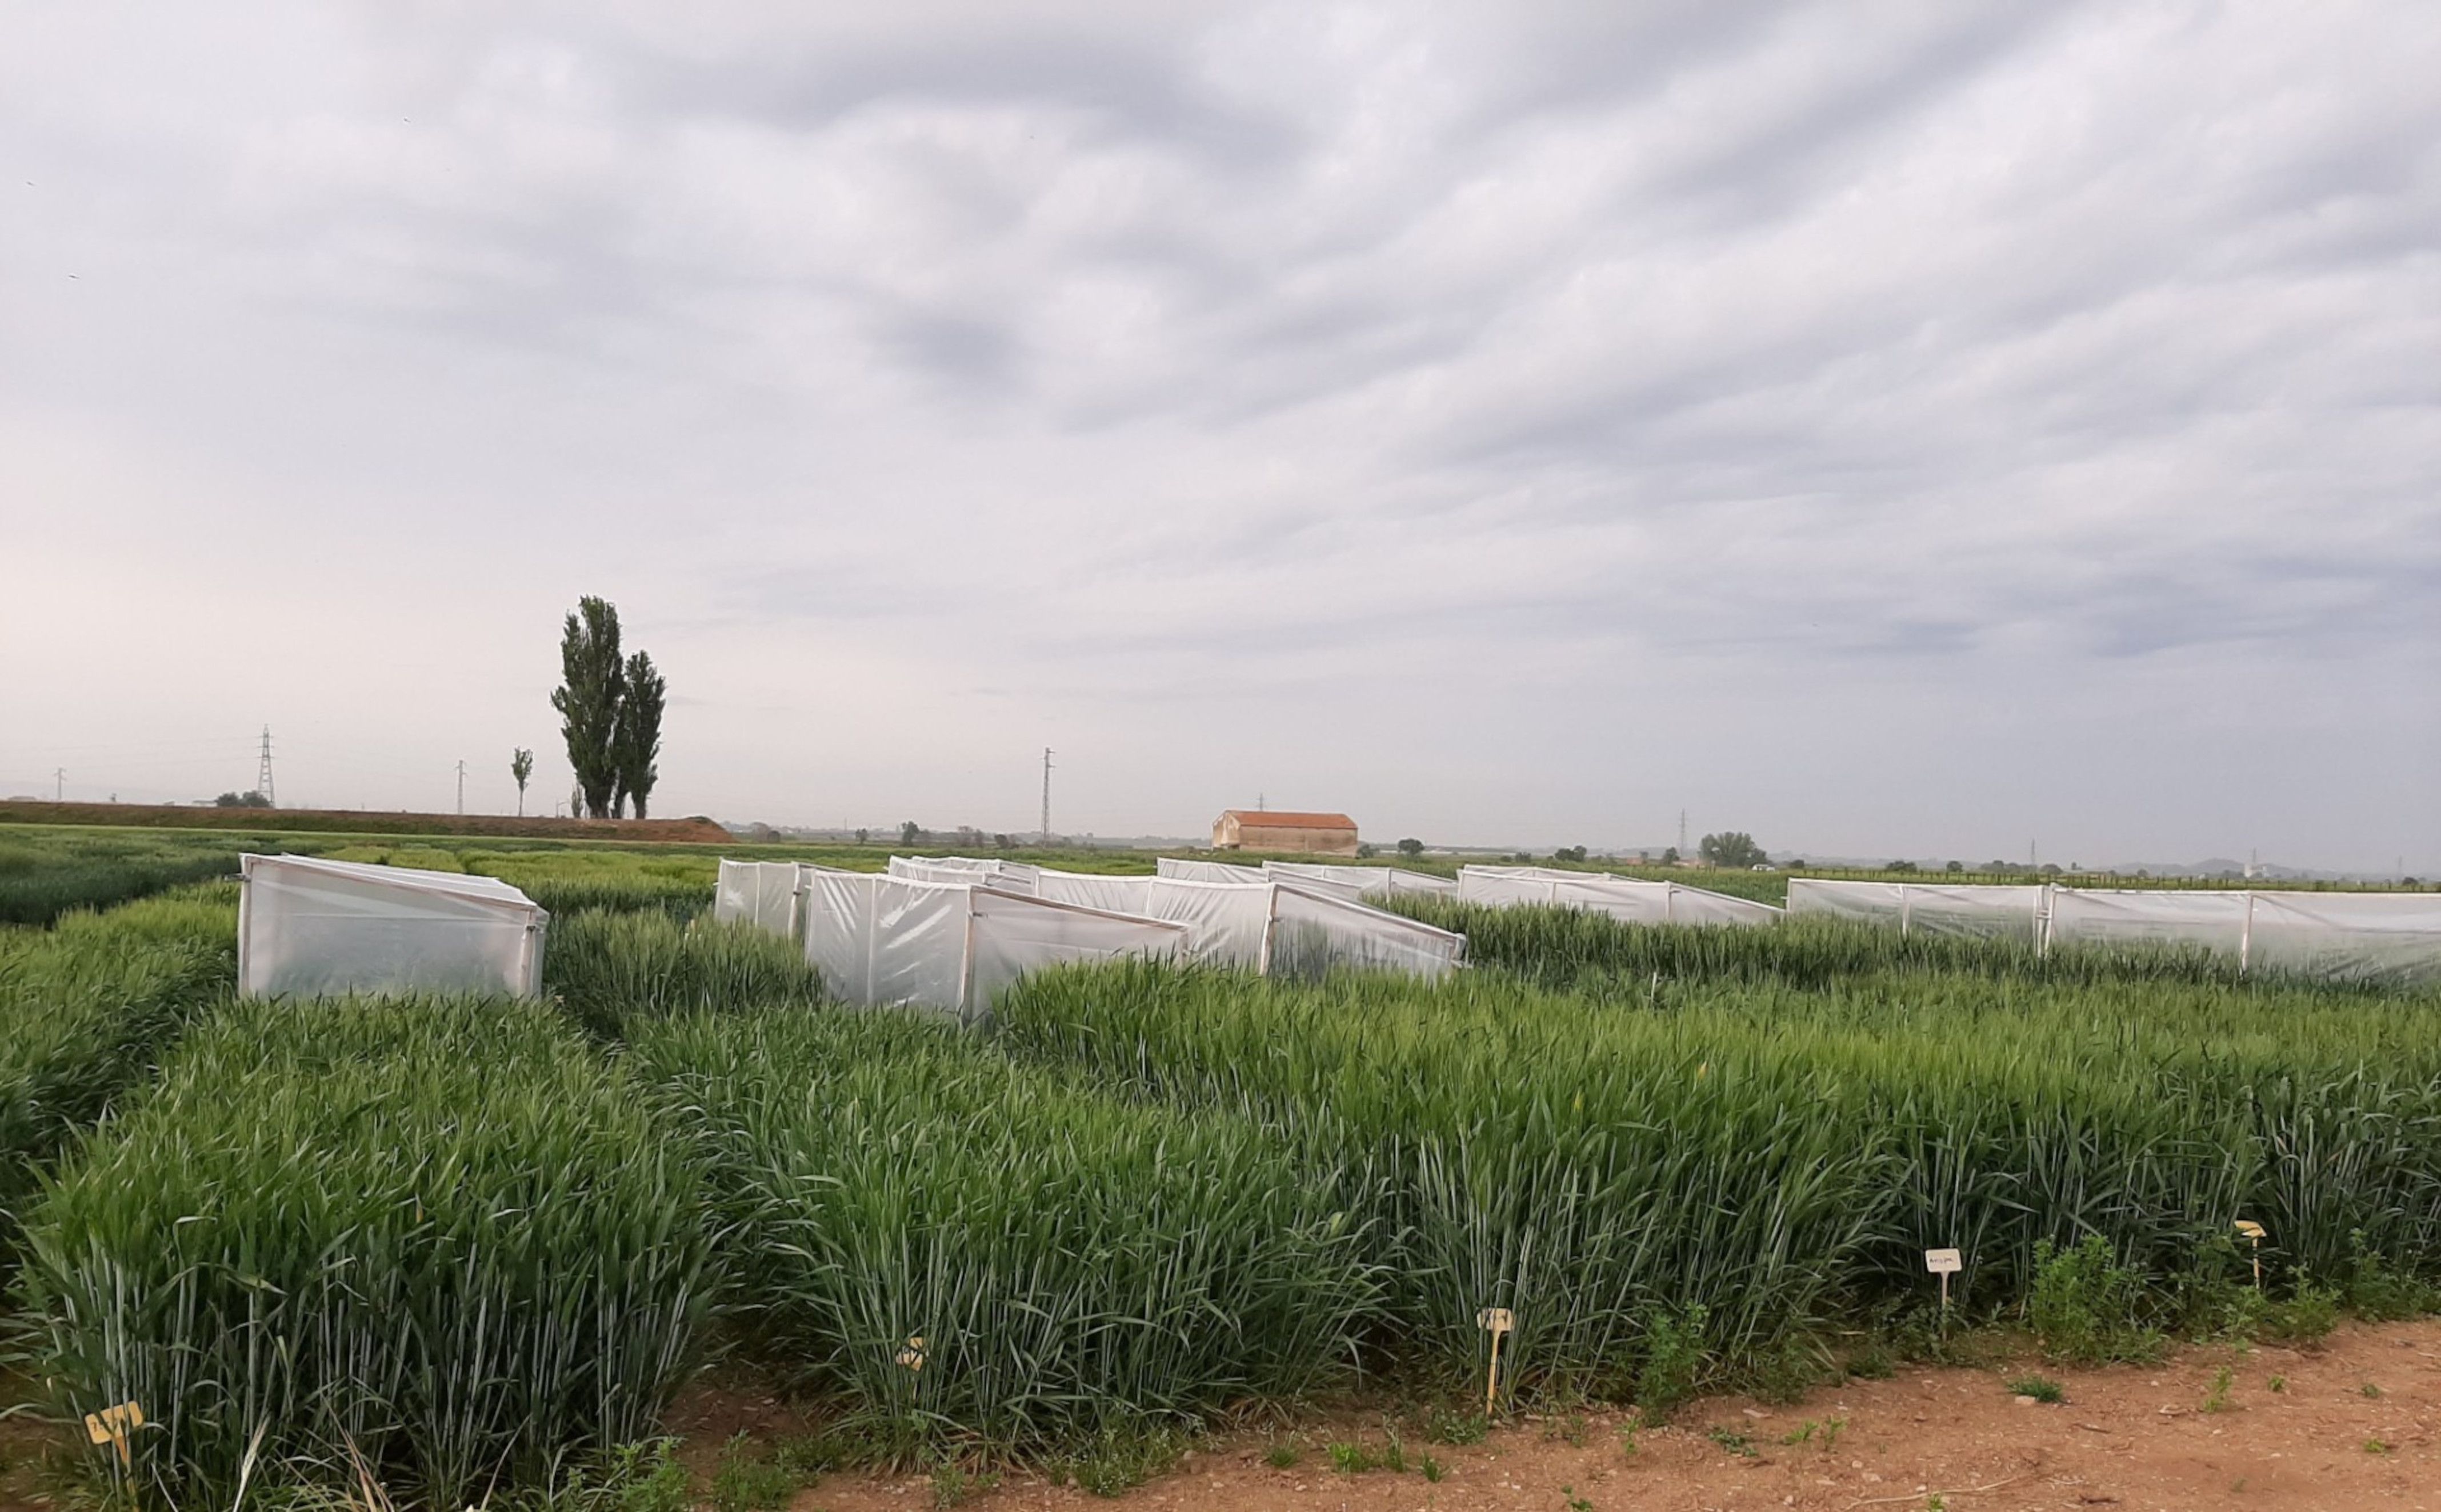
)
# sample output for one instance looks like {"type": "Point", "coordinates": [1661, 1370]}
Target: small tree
{"type": "Point", "coordinates": [910, 832]}
{"type": "Point", "coordinates": [1411, 847]}
{"type": "Point", "coordinates": [1735, 849]}
{"type": "Point", "coordinates": [1955, 866]}
{"type": "Point", "coordinates": [1670, 857]}
{"type": "Point", "coordinates": [249, 798]}
{"type": "Point", "coordinates": [862, 835]}
{"type": "Point", "coordinates": [520, 768]}
{"type": "Point", "coordinates": [1569, 853]}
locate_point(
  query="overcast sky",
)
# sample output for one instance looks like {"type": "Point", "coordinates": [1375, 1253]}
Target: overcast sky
{"type": "Point", "coordinates": [1909, 429]}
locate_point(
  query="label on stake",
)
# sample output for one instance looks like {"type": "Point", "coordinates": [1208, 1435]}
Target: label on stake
{"type": "Point", "coordinates": [1942, 1262]}
{"type": "Point", "coordinates": [1496, 1320]}
{"type": "Point", "coordinates": [2250, 1229]}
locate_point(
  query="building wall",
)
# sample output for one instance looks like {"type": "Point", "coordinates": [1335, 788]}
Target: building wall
{"type": "Point", "coordinates": [1304, 841]}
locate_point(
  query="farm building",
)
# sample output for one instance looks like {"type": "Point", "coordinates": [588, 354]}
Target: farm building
{"type": "Point", "coordinates": [1255, 829]}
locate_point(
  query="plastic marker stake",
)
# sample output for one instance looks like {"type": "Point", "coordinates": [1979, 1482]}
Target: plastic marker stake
{"type": "Point", "coordinates": [1496, 1321]}
{"type": "Point", "coordinates": [2254, 1233]}
{"type": "Point", "coordinates": [1945, 1264]}
{"type": "Point", "coordinates": [113, 1424]}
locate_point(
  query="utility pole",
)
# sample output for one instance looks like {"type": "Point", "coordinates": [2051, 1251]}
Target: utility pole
{"type": "Point", "coordinates": [461, 787]}
{"type": "Point", "coordinates": [1046, 795]}
{"type": "Point", "coordinates": [1682, 834]}
{"type": "Point", "coordinates": [262, 772]}
{"type": "Point", "coordinates": [59, 784]}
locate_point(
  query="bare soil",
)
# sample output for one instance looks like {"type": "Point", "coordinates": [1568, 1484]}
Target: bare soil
{"type": "Point", "coordinates": [2350, 1424]}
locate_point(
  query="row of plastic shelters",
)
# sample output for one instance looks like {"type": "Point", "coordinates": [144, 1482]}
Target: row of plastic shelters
{"type": "Point", "coordinates": [2326, 936]}
{"type": "Point", "coordinates": [1632, 899]}
{"type": "Point", "coordinates": [307, 926]}
{"type": "Point", "coordinates": [901, 937]}
{"type": "Point", "coordinates": [1351, 882]}
{"type": "Point", "coordinates": [1273, 926]}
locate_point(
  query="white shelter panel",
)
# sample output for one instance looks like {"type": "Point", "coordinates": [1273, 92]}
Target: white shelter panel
{"type": "Point", "coordinates": [1015, 934]}
{"type": "Point", "coordinates": [1313, 932]}
{"type": "Point", "coordinates": [2212, 921]}
{"type": "Point", "coordinates": [1009, 876]}
{"type": "Point", "coordinates": [1193, 870]}
{"type": "Point", "coordinates": [761, 894]}
{"type": "Point", "coordinates": [1114, 894]}
{"type": "Point", "coordinates": [308, 927]}
{"type": "Point", "coordinates": [2392, 937]}
{"type": "Point", "coordinates": [1959, 909]}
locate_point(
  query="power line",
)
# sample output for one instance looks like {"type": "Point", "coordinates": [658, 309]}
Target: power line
{"type": "Point", "coordinates": [263, 773]}
{"type": "Point", "coordinates": [59, 784]}
{"type": "Point", "coordinates": [462, 786]}
{"type": "Point", "coordinates": [1046, 795]}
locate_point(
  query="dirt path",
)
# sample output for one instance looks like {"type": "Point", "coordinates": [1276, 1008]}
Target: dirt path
{"type": "Point", "coordinates": [2352, 1424]}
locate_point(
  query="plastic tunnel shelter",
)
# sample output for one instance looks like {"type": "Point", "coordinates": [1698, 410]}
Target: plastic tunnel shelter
{"type": "Point", "coordinates": [768, 894]}
{"type": "Point", "coordinates": [2379, 937]}
{"type": "Point", "coordinates": [1009, 876]}
{"type": "Point", "coordinates": [1633, 900]}
{"type": "Point", "coordinates": [1358, 882]}
{"type": "Point", "coordinates": [1189, 870]}
{"type": "Point", "coordinates": [1269, 926]}
{"type": "Point", "coordinates": [951, 946]}
{"type": "Point", "coordinates": [307, 926]}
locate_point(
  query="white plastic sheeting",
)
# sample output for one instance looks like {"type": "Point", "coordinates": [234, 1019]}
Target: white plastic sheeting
{"type": "Point", "coordinates": [1270, 925]}
{"type": "Point", "coordinates": [880, 938]}
{"type": "Point", "coordinates": [1632, 899]}
{"type": "Point", "coordinates": [1930, 907]}
{"type": "Point", "coordinates": [1009, 876]}
{"type": "Point", "coordinates": [1193, 870]}
{"type": "Point", "coordinates": [2325, 936]}
{"type": "Point", "coordinates": [764, 894]}
{"type": "Point", "coordinates": [307, 926]}
{"type": "Point", "coordinates": [1353, 882]}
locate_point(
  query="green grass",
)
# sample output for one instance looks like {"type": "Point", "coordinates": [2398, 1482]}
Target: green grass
{"type": "Point", "coordinates": [972, 1252]}
{"type": "Point", "coordinates": [86, 1009]}
{"type": "Point", "coordinates": [1780, 1155]}
{"type": "Point", "coordinates": [46, 870]}
{"type": "Point", "coordinates": [612, 970]}
{"type": "Point", "coordinates": [441, 1234]}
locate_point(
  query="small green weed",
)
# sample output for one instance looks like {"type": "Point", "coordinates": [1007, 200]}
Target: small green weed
{"type": "Point", "coordinates": [1432, 1468]}
{"type": "Point", "coordinates": [1442, 1426]}
{"type": "Point", "coordinates": [2041, 1388]}
{"type": "Point", "coordinates": [1575, 1502]}
{"type": "Point", "coordinates": [953, 1483]}
{"type": "Point", "coordinates": [2369, 1388]}
{"type": "Point", "coordinates": [1281, 1456]}
{"type": "Point", "coordinates": [1349, 1458]}
{"type": "Point", "coordinates": [1801, 1433]}
{"type": "Point", "coordinates": [2087, 1307]}
{"type": "Point", "coordinates": [1730, 1439]}
{"type": "Point", "coordinates": [2375, 1445]}
{"type": "Point", "coordinates": [745, 1484]}
{"type": "Point", "coordinates": [2277, 1383]}
{"type": "Point", "coordinates": [2216, 1400]}
{"type": "Point", "coordinates": [1674, 1351]}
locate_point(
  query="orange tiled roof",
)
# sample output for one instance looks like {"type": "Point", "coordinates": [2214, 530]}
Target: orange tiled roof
{"type": "Point", "coordinates": [1258, 819]}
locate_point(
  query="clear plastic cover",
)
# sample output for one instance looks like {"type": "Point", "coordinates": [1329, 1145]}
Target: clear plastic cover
{"type": "Point", "coordinates": [1192, 870]}
{"type": "Point", "coordinates": [1633, 900]}
{"type": "Point", "coordinates": [309, 927]}
{"type": "Point", "coordinates": [762, 894]}
{"type": "Point", "coordinates": [1086, 890]}
{"type": "Point", "coordinates": [2392, 937]}
{"type": "Point", "coordinates": [1313, 932]}
{"type": "Point", "coordinates": [1930, 907]}
{"type": "Point", "coordinates": [1014, 935]}
{"type": "Point", "coordinates": [2214, 921]}
{"type": "Point", "coordinates": [1353, 882]}
{"type": "Point", "coordinates": [878, 939]}
{"type": "Point", "coordinates": [1009, 876]}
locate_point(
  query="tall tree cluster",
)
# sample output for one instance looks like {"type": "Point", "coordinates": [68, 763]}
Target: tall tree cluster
{"type": "Point", "coordinates": [609, 712]}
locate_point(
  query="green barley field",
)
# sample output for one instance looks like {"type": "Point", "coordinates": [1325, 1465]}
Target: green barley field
{"type": "Point", "coordinates": [470, 1250]}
